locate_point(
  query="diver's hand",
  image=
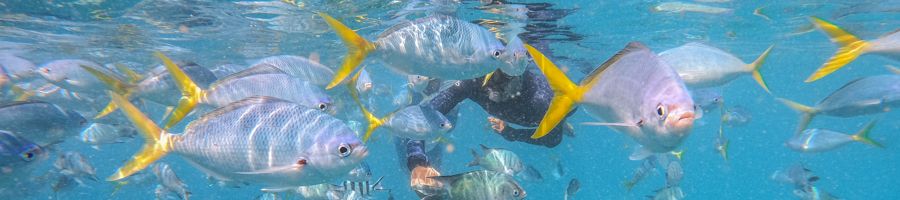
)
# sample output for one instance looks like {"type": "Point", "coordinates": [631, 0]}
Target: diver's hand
{"type": "Point", "coordinates": [497, 124]}
{"type": "Point", "coordinates": [420, 179]}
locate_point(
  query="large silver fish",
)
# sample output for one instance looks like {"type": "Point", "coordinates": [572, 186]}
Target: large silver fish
{"type": "Point", "coordinates": [863, 96]}
{"type": "Point", "coordinates": [14, 69]}
{"type": "Point", "coordinates": [701, 66]}
{"type": "Point", "coordinates": [300, 67]}
{"type": "Point", "coordinates": [257, 140]}
{"type": "Point", "coordinates": [262, 80]}
{"type": "Point", "coordinates": [634, 92]}
{"type": "Point", "coordinates": [40, 122]}
{"type": "Point", "coordinates": [498, 160]}
{"type": "Point", "coordinates": [852, 47]}
{"type": "Point", "coordinates": [820, 140]}
{"type": "Point", "coordinates": [437, 46]}
{"type": "Point", "coordinates": [71, 75]}
{"type": "Point", "coordinates": [482, 184]}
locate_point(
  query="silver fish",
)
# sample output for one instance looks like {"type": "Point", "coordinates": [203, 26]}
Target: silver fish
{"type": "Point", "coordinates": [169, 181]}
{"type": "Point", "coordinates": [647, 166]}
{"type": "Point", "coordinates": [820, 140]}
{"type": "Point", "coordinates": [674, 174]}
{"type": "Point", "coordinates": [707, 99]}
{"type": "Point", "coordinates": [863, 96]}
{"type": "Point", "coordinates": [40, 122]}
{"type": "Point", "coordinates": [851, 47]}
{"type": "Point", "coordinates": [482, 184]}
{"type": "Point", "coordinates": [256, 140]}
{"type": "Point", "coordinates": [299, 67]}
{"type": "Point", "coordinates": [701, 66]}
{"type": "Point", "coordinates": [574, 186]}
{"type": "Point", "coordinates": [682, 7]}
{"type": "Point", "coordinates": [436, 46]}
{"type": "Point", "coordinates": [797, 175]}
{"type": "Point", "coordinates": [498, 160]}
{"type": "Point", "coordinates": [14, 69]}
{"type": "Point", "coordinates": [634, 92]}
{"type": "Point", "coordinates": [71, 75]}
{"type": "Point", "coordinates": [159, 86]}
{"type": "Point", "coordinates": [417, 122]}
{"type": "Point", "coordinates": [98, 133]}
{"type": "Point", "coordinates": [73, 165]}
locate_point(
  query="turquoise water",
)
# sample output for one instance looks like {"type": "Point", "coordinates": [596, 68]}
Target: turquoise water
{"type": "Point", "coordinates": [581, 35]}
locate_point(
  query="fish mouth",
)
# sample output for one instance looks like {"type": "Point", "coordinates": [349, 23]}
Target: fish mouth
{"type": "Point", "coordinates": [684, 121]}
{"type": "Point", "coordinates": [360, 150]}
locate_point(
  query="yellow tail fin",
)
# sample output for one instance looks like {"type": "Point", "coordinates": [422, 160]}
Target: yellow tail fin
{"type": "Point", "coordinates": [374, 122]}
{"type": "Point", "coordinates": [191, 93]}
{"type": "Point", "coordinates": [756, 65]}
{"type": "Point", "coordinates": [133, 77]}
{"type": "Point", "coordinates": [357, 49]}
{"type": "Point", "coordinates": [114, 84]}
{"type": "Point", "coordinates": [850, 48]}
{"type": "Point", "coordinates": [807, 113]}
{"type": "Point", "coordinates": [863, 135]}
{"type": "Point", "coordinates": [156, 144]}
{"type": "Point", "coordinates": [565, 93]}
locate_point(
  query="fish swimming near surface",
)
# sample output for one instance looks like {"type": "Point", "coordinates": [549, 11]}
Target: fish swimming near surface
{"type": "Point", "coordinates": [498, 160]}
{"type": "Point", "coordinates": [257, 81]}
{"type": "Point", "coordinates": [863, 96]}
{"type": "Point", "coordinates": [40, 122]}
{"type": "Point", "coordinates": [436, 46]}
{"type": "Point", "coordinates": [852, 47]}
{"type": "Point", "coordinates": [634, 92]}
{"type": "Point", "coordinates": [482, 184]}
{"type": "Point", "coordinates": [820, 140]}
{"type": "Point", "coordinates": [256, 140]}
{"type": "Point", "coordinates": [701, 65]}
{"type": "Point", "coordinates": [682, 7]}
{"type": "Point", "coordinates": [71, 75]}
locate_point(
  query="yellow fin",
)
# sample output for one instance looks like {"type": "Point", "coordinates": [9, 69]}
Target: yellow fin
{"type": "Point", "coordinates": [21, 93]}
{"type": "Point", "coordinates": [851, 47]}
{"type": "Point", "coordinates": [756, 65]}
{"type": "Point", "coordinates": [191, 93]}
{"type": "Point", "coordinates": [893, 69]}
{"type": "Point", "coordinates": [113, 84]}
{"type": "Point", "coordinates": [374, 122]}
{"type": "Point", "coordinates": [133, 77]}
{"type": "Point", "coordinates": [487, 78]}
{"type": "Point", "coordinates": [357, 49]}
{"type": "Point", "coordinates": [807, 113]}
{"type": "Point", "coordinates": [156, 142]}
{"type": "Point", "coordinates": [566, 94]}
{"type": "Point", "coordinates": [863, 135]}
{"type": "Point", "coordinates": [677, 154]}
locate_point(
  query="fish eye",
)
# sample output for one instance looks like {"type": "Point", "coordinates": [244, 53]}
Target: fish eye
{"type": "Point", "coordinates": [661, 111]}
{"type": "Point", "coordinates": [496, 53]}
{"type": "Point", "coordinates": [516, 193]}
{"type": "Point", "coordinates": [46, 70]}
{"type": "Point", "coordinates": [344, 150]}
{"type": "Point", "coordinates": [322, 106]}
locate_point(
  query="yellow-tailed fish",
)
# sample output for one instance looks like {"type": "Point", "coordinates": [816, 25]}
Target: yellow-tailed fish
{"type": "Point", "coordinates": [682, 7]}
{"type": "Point", "coordinates": [417, 122]}
{"type": "Point", "coordinates": [262, 80]}
{"type": "Point", "coordinates": [864, 96]}
{"type": "Point", "coordinates": [702, 66]}
{"type": "Point", "coordinates": [437, 46]}
{"type": "Point", "coordinates": [634, 92]}
{"type": "Point", "coordinates": [300, 67]}
{"type": "Point", "coordinates": [256, 140]}
{"type": "Point", "coordinates": [821, 140]}
{"type": "Point", "coordinates": [70, 75]}
{"type": "Point", "coordinates": [851, 47]}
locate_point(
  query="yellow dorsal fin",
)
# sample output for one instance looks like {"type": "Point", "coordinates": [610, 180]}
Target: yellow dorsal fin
{"type": "Point", "coordinates": [191, 93]}
{"type": "Point", "coordinates": [357, 49]}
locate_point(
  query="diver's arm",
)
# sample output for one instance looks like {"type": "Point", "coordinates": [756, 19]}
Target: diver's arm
{"type": "Point", "coordinates": [524, 135]}
{"type": "Point", "coordinates": [445, 100]}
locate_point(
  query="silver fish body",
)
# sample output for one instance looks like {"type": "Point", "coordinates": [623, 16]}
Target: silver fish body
{"type": "Point", "coordinates": [418, 122]}
{"type": "Point", "coordinates": [170, 181]}
{"type": "Point", "coordinates": [869, 95]}
{"type": "Point", "coordinates": [70, 75]}
{"type": "Point", "coordinates": [299, 67]}
{"type": "Point", "coordinates": [268, 83]}
{"type": "Point", "coordinates": [444, 47]}
{"type": "Point", "coordinates": [645, 94]}
{"type": "Point", "coordinates": [40, 122]}
{"type": "Point", "coordinates": [700, 65]}
{"type": "Point", "coordinates": [271, 141]}
{"type": "Point", "coordinates": [16, 69]}
{"type": "Point", "coordinates": [819, 140]}
{"type": "Point", "coordinates": [98, 133]}
{"type": "Point", "coordinates": [498, 160]}
{"type": "Point", "coordinates": [482, 184]}
{"type": "Point", "coordinates": [75, 166]}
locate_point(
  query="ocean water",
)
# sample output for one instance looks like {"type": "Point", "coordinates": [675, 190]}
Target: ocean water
{"type": "Point", "coordinates": [579, 34]}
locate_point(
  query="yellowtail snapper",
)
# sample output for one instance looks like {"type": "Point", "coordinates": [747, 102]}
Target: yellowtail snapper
{"type": "Point", "coordinates": [820, 140]}
{"type": "Point", "coordinates": [852, 47]}
{"type": "Point", "coordinates": [863, 96]}
{"type": "Point", "coordinates": [701, 65]}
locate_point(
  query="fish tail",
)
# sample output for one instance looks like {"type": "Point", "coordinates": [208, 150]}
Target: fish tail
{"type": "Point", "coordinates": [191, 93]}
{"type": "Point", "coordinates": [807, 112]}
{"type": "Point", "coordinates": [374, 122]}
{"type": "Point", "coordinates": [565, 93]}
{"type": "Point", "coordinates": [851, 47]}
{"type": "Point", "coordinates": [156, 141]}
{"type": "Point", "coordinates": [863, 135]}
{"type": "Point", "coordinates": [114, 84]}
{"type": "Point", "coordinates": [757, 65]}
{"type": "Point", "coordinates": [474, 159]}
{"type": "Point", "coordinates": [133, 77]}
{"type": "Point", "coordinates": [357, 49]}
{"type": "Point", "coordinates": [893, 69]}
